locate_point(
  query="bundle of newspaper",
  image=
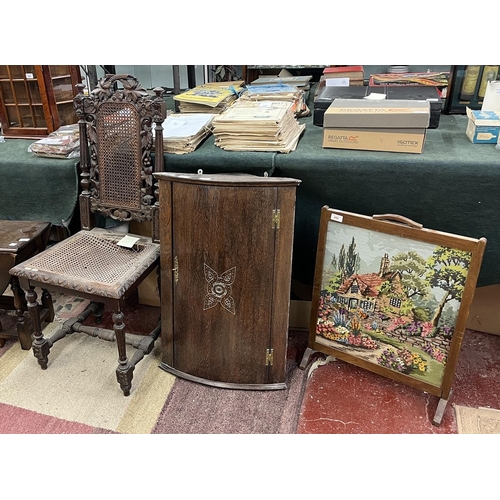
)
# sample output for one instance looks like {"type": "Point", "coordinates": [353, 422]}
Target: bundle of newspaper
{"type": "Point", "coordinates": [278, 92]}
{"type": "Point", "coordinates": [62, 143]}
{"type": "Point", "coordinates": [184, 132]}
{"type": "Point", "coordinates": [258, 126]}
{"type": "Point", "coordinates": [208, 98]}
{"type": "Point", "coordinates": [301, 82]}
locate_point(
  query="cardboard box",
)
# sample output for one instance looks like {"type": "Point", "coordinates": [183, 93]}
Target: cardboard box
{"type": "Point", "coordinates": [483, 127]}
{"type": "Point", "coordinates": [363, 113]}
{"type": "Point", "coordinates": [148, 291]}
{"type": "Point", "coordinates": [418, 92]}
{"type": "Point", "coordinates": [484, 314]}
{"type": "Point", "coordinates": [326, 95]}
{"type": "Point", "coordinates": [375, 139]}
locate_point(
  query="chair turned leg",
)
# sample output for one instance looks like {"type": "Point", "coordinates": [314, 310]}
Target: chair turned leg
{"type": "Point", "coordinates": [99, 312]}
{"type": "Point", "coordinates": [40, 345]}
{"type": "Point", "coordinates": [23, 325]}
{"type": "Point", "coordinates": [125, 371]}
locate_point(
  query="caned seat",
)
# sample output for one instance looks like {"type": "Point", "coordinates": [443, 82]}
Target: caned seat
{"type": "Point", "coordinates": [116, 135]}
{"type": "Point", "coordinates": [93, 262]}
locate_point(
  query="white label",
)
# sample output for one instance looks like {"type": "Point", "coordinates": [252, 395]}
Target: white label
{"type": "Point", "coordinates": [336, 217]}
{"type": "Point", "coordinates": [23, 239]}
{"type": "Point", "coordinates": [337, 82]}
{"type": "Point", "coordinates": [128, 241]}
{"type": "Point", "coordinates": [29, 76]}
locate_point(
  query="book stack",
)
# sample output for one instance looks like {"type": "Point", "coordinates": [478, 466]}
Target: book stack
{"type": "Point", "coordinates": [208, 98]}
{"type": "Point", "coordinates": [184, 132]}
{"type": "Point", "coordinates": [433, 79]}
{"type": "Point", "coordinates": [258, 126]}
{"type": "Point", "coordinates": [278, 92]}
{"type": "Point", "coordinates": [343, 76]}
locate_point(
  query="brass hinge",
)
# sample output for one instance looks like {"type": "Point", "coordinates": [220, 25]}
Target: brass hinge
{"type": "Point", "coordinates": [276, 219]}
{"type": "Point", "coordinates": [269, 357]}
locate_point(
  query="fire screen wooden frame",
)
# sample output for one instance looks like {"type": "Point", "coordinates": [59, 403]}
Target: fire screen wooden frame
{"type": "Point", "coordinates": [393, 297]}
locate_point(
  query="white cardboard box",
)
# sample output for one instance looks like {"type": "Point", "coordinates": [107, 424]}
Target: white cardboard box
{"type": "Point", "coordinates": [483, 127]}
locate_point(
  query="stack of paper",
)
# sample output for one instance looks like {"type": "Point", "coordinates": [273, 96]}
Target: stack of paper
{"type": "Point", "coordinates": [62, 143]}
{"type": "Point", "coordinates": [301, 82]}
{"type": "Point", "coordinates": [258, 126]}
{"type": "Point", "coordinates": [184, 132]}
{"type": "Point", "coordinates": [278, 92]}
{"type": "Point", "coordinates": [207, 98]}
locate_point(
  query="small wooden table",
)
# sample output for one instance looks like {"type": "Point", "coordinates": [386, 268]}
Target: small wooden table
{"type": "Point", "coordinates": [19, 240]}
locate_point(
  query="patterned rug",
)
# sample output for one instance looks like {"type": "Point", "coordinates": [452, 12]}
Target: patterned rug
{"type": "Point", "coordinates": [477, 420]}
{"type": "Point", "coordinates": [78, 392]}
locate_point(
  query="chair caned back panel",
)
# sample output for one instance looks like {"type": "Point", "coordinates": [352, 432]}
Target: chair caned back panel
{"type": "Point", "coordinates": [119, 154]}
{"type": "Point", "coordinates": [116, 123]}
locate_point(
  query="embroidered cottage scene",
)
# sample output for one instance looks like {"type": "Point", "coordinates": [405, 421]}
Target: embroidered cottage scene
{"type": "Point", "coordinates": [390, 301]}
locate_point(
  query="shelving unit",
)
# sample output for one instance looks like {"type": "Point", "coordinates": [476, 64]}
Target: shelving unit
{"type": "Point", "coordinates": [36, 100]}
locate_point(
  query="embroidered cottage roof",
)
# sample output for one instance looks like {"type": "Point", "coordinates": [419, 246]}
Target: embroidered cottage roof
{"type": "Point", "coordinates": [368, 284]}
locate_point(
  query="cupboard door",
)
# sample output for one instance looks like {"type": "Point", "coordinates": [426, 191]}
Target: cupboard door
{"type": "Point", "coordinates": [36, 100]}
{"type": "Point", "coordinates": [60, 82]}
{"type": "Point", "coordinates": [223, 243]}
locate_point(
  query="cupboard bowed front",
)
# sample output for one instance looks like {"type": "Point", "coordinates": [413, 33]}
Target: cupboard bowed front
{"type": "Point", "coordinates": [226, 256]}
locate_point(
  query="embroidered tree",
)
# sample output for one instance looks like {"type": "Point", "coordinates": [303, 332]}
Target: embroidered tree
{"type": "Point", "coordinates": [338, 268]}
{"type": "Point", "coordinates": [448, 271]}
{"type": "Point", "coordinates": [334, 262]}
{"type": "Point", "coordinates": [413, 269]}
{"type": "Point", "coordinates": [348, 263]}
{"type": "Point", "coordinates": [342, 258]}
{"type": "Point", "coordinates": [352, 260]}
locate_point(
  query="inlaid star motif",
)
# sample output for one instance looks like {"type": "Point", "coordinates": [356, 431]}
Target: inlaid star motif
{"type": "Point", "coordinates": [219, 289]}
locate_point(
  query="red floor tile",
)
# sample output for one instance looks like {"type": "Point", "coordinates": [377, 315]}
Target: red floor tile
{"type": "Point", "coordinates": [341, 398]}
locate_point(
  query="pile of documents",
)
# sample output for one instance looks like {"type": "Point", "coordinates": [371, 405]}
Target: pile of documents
{"type": "Point", "coordinates": [208, 98]}
{"type": "Point", "coordinates": [258, 126]}
{"type": "Point", "coordinates": [62, 143]}
{"type": "Point", "coordinates": [302, 82]}
{"type": "Point", "coordinates": [278, 92]}
{"type": "Point", "coordinates": [183, 133]}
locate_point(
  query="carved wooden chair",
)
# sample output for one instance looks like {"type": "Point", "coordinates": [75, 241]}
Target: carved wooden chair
{"type": "Point", "coordinates": [116, 122]}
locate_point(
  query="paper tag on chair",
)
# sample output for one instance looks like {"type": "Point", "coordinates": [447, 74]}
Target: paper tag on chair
{"type": "Point", "coordinates": [128, 241]}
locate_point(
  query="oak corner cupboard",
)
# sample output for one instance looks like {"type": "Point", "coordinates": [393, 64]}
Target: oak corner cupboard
{"type": "Point", "coordinates": [35, 100]}
{"type": "Point", "coordinates": [226, 257]}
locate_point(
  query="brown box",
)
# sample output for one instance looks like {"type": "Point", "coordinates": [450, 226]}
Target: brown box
{"type": "Point", "coordinates": [375, 139]}
{"type": "Point", "coordinates": [149, 294]}
{"type": "Point", "coordinates": [484, 313]}
{"type": "Point", "coordinates": [366, 113]}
